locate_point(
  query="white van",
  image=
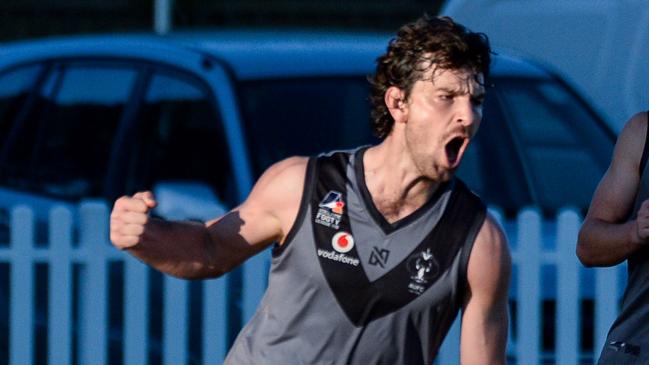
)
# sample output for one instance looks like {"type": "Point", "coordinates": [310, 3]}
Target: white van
{"type": "Point", "coordinates": [600, 46]}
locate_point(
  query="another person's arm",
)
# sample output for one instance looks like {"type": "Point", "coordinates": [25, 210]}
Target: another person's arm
{"type": "Point", "coordinates": [196, 250]}
{"type": "Point", "coordinates": [605, 239]}
{"type": "Point", "coordinates": [485, 317]}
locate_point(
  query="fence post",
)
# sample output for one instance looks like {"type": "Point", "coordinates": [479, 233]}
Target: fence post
{"type": "Point", "coordinates": [215, 323]}
{"type": "Point", "coordinates": [60, 287]}
{"type": "Point", "coordinates": [606, 304]}
{"type": "Point", "coordinates": [568, 313]}
{"type": "Point", "coordinates": [175, 319]}
{"type": "Point", "coordinates": [93, 318]}
{"type": "Point", "coordinates": [136, 311]}
{"type": "Point", "coordinates": [21, 313]}
{"type": "Point", "coordinates": [529, 288]}
{"type": "Point", "coordinates": [162, 16]}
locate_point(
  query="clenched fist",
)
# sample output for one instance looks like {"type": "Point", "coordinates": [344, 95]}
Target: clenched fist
{"type": "Point", "coordinates": [129, 218]}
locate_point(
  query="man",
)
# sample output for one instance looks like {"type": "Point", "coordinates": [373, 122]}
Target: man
{"type": "Point", "coordinates": [615, 229]}
{"type": "Point", "coordinates": [377, 248]}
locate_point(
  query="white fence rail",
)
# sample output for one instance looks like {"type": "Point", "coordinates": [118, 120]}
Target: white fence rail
{"type": "Point", "coordinates": [78, 314]}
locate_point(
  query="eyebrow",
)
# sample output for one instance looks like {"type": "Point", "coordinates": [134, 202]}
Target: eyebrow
{"type": "Point", "coordinates": [449, 90]}
{"type": "Point", "coordinates": [478, 92]}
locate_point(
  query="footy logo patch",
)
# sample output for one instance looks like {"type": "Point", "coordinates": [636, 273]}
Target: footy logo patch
{"type": "Point", "coordinates": [330, 210]}
{"type": "Point", "coordinates": [334, 202]}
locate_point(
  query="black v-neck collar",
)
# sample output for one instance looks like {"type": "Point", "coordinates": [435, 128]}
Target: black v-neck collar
{"type": "Point", "coordinates": [380, 220]}
{"type": "Point", "coordinates": [363, 300]}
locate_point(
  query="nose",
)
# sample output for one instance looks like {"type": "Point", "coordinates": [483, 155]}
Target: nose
{"type": "Point", "coordinates": [468, 113]}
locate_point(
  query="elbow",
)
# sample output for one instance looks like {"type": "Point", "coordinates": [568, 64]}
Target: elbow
{"type": "Point", "coordinates": [211, 271]}
{"type": "Point", "coordinates": [584, 255]}
{"type": "Point", "coordinates": [215, 260]}
{"type": "Point", "coordinates": [197, 273]}
{"type": "Point", "coordinates": [212, 274]}
{"type": "Point", "coordinates": [591, 256]}
{"type": "Point", "coordinates": [200, 269]}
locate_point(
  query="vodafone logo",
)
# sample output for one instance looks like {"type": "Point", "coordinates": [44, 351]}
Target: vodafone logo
{"type": "Point", "coordinates": [342, 242]}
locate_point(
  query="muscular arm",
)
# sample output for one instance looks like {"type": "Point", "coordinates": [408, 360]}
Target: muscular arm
{"type": "Point", "coordinates": [485, 315]}
{"type": "Point", "coordinates": [605, 239]}
{"type": "Point", "coordinates": [196, 250]}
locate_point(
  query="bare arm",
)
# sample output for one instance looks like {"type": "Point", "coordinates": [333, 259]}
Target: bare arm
{"type": "Point", "coordinates": [605, 239]}
{"type": "Point", "coordinates": [195, 250]}
{"type": "Point", "coordinates": [485, 318]}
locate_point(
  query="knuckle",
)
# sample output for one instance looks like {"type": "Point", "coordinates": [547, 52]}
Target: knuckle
{"type": "Point", "coordinates": [122, 200]}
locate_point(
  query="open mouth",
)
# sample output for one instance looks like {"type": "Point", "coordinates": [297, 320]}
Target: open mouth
{"type": "Point", "coordinates": [454, 150]}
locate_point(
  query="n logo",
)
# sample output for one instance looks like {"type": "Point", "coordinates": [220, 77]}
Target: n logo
{"type": "Point", "coordinates": [379, 256]}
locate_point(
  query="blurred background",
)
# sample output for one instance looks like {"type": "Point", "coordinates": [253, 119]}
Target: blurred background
{"type": "Point", "coordinates": [17, 17]}
{"type": "Point", "coordinates": [188, 98]}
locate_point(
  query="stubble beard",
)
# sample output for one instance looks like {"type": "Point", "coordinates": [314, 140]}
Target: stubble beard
{"type": "Point", "coordinates": [427, 163]}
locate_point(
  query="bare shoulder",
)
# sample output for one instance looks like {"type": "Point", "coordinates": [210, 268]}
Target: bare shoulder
{"type": "Point", "coordinates": [290, 168]}
{"type": "Point", "coordinates": [277, 195]}
{"type": "Point", "coordinates": [491, 241]}
{"type": "Point", "coordinates": [490, 260]}
{"type": "Point", "coordinates": [283, 180]}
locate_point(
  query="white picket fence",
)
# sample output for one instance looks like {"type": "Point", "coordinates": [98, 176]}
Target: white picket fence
{"type": "Point", "coordinates": [92, 253]}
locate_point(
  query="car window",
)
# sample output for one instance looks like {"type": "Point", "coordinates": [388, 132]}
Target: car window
{"type": "Point", "coordinates": [180, 137]}
{"type": "Point", "coordinates": [305, 116]}
{"type": "Point", "coordinates": [62, 147]}
{"type": "Point", "coordinates": [15, 87]}
{"type": "Point", "coordinates": [565, 149]}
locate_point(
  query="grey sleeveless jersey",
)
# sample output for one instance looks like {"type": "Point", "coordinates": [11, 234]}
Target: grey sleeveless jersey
{"type": "Point", "coordinates": [347, 287]}
{"type": "Point", "coordinates": [628, 339]}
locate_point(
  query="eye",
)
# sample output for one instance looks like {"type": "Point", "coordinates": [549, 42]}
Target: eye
{"type": "Point", "coordinates": [478, 100]}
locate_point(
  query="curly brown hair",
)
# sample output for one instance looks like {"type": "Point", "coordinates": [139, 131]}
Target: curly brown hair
{"type": "Point", "coordinates": [428, 42]}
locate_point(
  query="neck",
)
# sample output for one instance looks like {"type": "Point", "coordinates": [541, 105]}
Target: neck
{"type": "Point", "coordinates": [397, 187]}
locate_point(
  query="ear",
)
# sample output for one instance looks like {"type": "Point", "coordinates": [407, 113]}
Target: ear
{"type": "Point", "coordinates": [395, 100]}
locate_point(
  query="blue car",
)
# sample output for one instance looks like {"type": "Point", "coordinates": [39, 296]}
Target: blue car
{"type": "Point", "coordinates": [105, 116]}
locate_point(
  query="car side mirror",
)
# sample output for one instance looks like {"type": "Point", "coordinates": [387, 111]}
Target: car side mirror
{"type": "Point", "coordinates": [187, 200]}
